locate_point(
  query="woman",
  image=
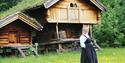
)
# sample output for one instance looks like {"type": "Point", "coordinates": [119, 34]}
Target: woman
{"type": "Point", "coordinates": [88, 54]}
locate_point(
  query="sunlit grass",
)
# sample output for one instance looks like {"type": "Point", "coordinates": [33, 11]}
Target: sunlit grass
{"type": "Point", "coordinates": [112, 55]}
{"type": "Point", "coordinates": [108, 55]}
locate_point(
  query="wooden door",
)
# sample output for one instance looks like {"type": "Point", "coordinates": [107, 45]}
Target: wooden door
{"type": "Point", "coordinates": [13, 37]}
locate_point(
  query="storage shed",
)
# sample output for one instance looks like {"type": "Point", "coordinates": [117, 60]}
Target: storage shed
{"type": "Point", "coordinates": [73, 11]}
{"type": "Point", "coordinates": [16, 30]}
{"type": "Point", "coordinates": [63, 19]}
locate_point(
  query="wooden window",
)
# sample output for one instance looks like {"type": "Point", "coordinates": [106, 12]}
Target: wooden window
{"type": "Point", "coordinates": [73, 5]}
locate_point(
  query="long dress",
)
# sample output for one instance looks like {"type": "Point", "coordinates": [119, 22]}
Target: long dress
{"type": "Point", "coordinates": [88, 54]}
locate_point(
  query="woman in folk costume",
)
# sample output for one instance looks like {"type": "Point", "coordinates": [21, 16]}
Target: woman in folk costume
{"type": "Point", "coordinates": [88, 54]}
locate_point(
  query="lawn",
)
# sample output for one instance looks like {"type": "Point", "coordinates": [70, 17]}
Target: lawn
{"type": "Point", "coordinates": [108, 55]}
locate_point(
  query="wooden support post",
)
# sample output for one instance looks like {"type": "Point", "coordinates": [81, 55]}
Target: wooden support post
{"type": "Point", "coordinates": [90, 29]}
{"type": "Point", "coordinates": [57, 32]}
{"type": "Point", "coordinates": [60, 48]}
{"type": "Point", "coordinates": [21, 52]}
{"type": "Point", "coordinates": [34, 51]}
{"type": "Point", "coordinates": [94, 40]}
{"type": "Point", "coordinates": [47, 50]}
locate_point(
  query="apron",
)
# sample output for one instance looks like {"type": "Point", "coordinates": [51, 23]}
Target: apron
{"type": "Point", "coordinates": [88, 54]}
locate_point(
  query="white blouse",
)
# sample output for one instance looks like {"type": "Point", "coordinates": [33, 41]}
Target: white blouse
{"type": "Point", "coordinates": [83, 38]}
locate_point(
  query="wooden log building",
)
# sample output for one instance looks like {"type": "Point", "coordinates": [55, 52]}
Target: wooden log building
{"type": "Point", "coordinates": [17, 29]}
{"type": "Point", "coordinates": [62, 21]}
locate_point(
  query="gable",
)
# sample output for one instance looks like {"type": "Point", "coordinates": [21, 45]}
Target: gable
{"type": "Point", "coordinates": [11, 18]}
{"type": "Point", "coordinates": [76, 11]}
{"type": "Point", "coordinates": [97, 3]}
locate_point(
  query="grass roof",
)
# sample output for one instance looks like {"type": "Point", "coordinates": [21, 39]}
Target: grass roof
{"type": "Point", "coordinates": [24, 4]}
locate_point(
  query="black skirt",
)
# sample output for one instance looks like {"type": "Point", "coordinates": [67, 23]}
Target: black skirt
{"type": "Point", "coordinates": [88, 54]}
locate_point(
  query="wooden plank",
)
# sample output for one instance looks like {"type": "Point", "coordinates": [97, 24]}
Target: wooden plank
{"type": "Point", "coordinates": [21, 52]}
{"type": "Point", "coordinates": [3, 37]}
{"type": "Point", "coordinates": [3, 33]}
{"type": "Point", "coordinates": [59, 41]}
{"type": "Point", "coordinates": [57, 31]}
{"type": "Point", "coordinates": [25, 39]}
{"type": "Point", "coordinates": [88, 16]}
{"type": "Point", "coordinates": [73, 15]}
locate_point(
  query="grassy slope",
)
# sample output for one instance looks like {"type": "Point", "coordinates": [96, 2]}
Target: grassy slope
{"type": "Point", "coordinates": [20, 6]}
{"type": "Point", "coordinates": [108, 55]}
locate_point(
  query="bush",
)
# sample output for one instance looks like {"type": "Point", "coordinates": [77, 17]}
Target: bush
{"type": "Point", "coordinates": [110, 32]}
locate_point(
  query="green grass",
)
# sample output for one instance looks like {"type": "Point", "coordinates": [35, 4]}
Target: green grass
{"type": "Point", "coordinates": [112, 55]}
{"type": "Point", "coordinates": [108, 55]}
{"type": "Point", "coordinates": [24, 4]}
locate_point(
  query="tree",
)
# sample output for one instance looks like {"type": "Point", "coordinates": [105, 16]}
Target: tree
{"type": "Point", "coordinates": [110, 32]}
{"type": "Point", "coordinates": [6, 4]}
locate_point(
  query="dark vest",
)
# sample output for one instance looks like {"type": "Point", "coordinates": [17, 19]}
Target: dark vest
{"type": "Point", "coordinates": [88, 41]}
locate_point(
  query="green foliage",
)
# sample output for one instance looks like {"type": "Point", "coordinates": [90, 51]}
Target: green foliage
{"type": "Point", "coordinates": [6, 4]}
{"type": "Point", "coordinates": [110, 32]}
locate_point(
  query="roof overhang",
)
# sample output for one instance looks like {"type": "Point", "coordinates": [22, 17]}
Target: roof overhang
{"type": "Point", "coordinates": [49, 3]}
{"type": "Point", "coordinates": [23, 17]}
{"type": "Point", "coordinates": [98, 4]}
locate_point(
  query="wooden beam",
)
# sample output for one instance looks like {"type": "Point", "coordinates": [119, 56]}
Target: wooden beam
{"type": "Point", "coordinates": [21, 52]}
{"type": "Point", "coordinates": [60, 48]}
{"type": "Point", "coordinates": [60, 41]}
{"type": "Point", "coordinates": [57, 31]}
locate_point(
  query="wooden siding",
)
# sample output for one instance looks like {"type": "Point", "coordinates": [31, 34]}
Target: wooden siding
{"type": "Point", "coordinates": [76, 11]}
{"type": "Point", "coordinates": [15, 33]}
{"type": "Point", "coordinates": [24, 18]}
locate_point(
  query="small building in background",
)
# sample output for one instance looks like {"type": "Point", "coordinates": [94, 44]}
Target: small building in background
{"type": "Point", "coordinates": [16, 30]}
{"type": "Point", "coordinates": [73, 11]}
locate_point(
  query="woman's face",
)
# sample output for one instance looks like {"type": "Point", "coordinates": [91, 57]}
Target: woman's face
{"type": "Point", "coordinates": [86, 29]}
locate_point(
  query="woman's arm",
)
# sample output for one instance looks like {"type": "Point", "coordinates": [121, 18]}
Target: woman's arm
{"type": "Point", "coordinates": [82, 40]}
